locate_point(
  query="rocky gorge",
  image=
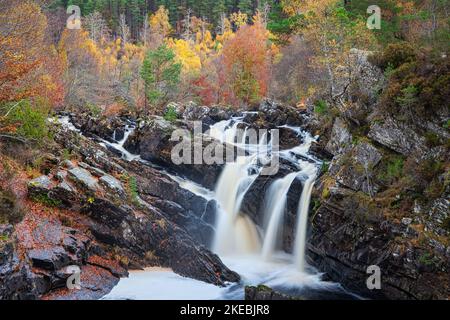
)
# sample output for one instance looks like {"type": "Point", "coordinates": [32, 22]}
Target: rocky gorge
{"type": "Point", "coordinates": [111, 200]}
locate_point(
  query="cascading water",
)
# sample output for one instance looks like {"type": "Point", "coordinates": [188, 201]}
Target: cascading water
{"type": "Point", "coordinates": [276, 199]}
{"type": "Point", "coordinates": [302, 216]}
{"type": "Point", "coordinates": [236, 234]}
{"type": "Point", "coordinates": [237, 239]}
{"type": "Point", "coordinates": [233, 184]}
{"type": "Point", "coordinates": [119, 146]}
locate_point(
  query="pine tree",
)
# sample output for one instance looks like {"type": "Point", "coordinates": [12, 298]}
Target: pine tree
{"type": "Point", "coordinates": [161, 74]}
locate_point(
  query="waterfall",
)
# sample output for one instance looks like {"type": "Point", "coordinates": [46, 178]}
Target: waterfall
{"type": "Point", "coordinates": [120, 144]}
{"type": "Point", "coordinates": [276, 199]}
{"type": "Point", "coordinates": [302, 217]}
{"type": "Point", "coordinates": [234, 234]}
{"type": "Point", "coordinates": [238, 234]}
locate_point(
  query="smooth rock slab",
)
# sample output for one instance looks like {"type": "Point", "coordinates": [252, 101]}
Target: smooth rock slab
{"type": "Point", "coordinates": [397, 136]}
{"type": "Point", "coordinates": [112, 184]}
{"type": "Point", "coordinates": [84, 177]}
{"type": "Point", "coordinates": [39, 186]}
{"type": "Point", "coordinates": [49, 259]}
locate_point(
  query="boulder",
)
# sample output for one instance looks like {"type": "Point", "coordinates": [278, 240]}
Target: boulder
{"type": "Point", "coordinates": [397, 136]}
{"type": "Point", "coordinates": [341, 138]}
{"type": "Point", "coordinates": [113, 185]}
{"type": "Point", "coordinates": [83, 178]}
{"type": "Point", "coordinates": [50, 258]}
{"type": "Point", "coordinates": [38, 186]}
{"type": "Point", "coordinates": [156, 145]}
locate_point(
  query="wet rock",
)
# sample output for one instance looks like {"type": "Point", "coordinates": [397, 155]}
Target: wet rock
{"type": "Point", "coordinates": [193, 213]}
{"type": "Point", "coordinates": [49, 259]}
{"type": "Point", "coordinates": [263, 293]}
{"type": "Point", "coordinates": [276, 114]}
{"type": "Point", "coordinates": [173, 247]}
{"type": "Point", "coordinates": [218, 113]}
{"type": "Point", "coordinates": [83, 178]}
{"type": "Point", "coordinates": [288, 139]}
{"type": "Point", "coordinates": [15, 281]}
{"type": "Point", "coordinates": [103, 127]}
{"type": "Point", "coordinates": [96, 282]}
{"type": "Point", "coordinates": [156, 145]}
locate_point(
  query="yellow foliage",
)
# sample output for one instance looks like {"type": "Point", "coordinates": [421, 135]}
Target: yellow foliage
{"type": "Point", "coordinates": [159, 22]}
{"type": "Point", "coordinates": [239, 19]}
{"type": "Point", "coordinates": [186, 55]}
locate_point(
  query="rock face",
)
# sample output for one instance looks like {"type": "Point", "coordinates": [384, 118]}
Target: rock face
{"type": "Point", "coordinates": [355, 226]}
{"type": "Point", "coordinates": [341, 138]}
{"type": "Point", "coordinates": [122, 215]}
{"type": "Point", "coordinates": [397, 136]}
{"type": "Point", "coordinates": [355, 169]}
{"type": "Point", "coordinates": [378, 204]}
{"type": "Point", "coordinates": [154, 142]}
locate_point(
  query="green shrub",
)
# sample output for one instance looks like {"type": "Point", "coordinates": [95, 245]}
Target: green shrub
{"type": "Point", "coordinates": [394, 55]}
{"type": "Point", "coordinates": [392, 169]}
{"type": "Point", "coordinates": [320, 107]}
{"type": "Point", "coordinates": [325, 167]}
{"type": "Point", "coordinates": [395, 168]}
{"type": "Point", "coordinates": [30, 120]}
{"type": "Point", "coordinates": [446, 224]}
{"type": "Point", "coordinates": [66, 154]}
{"type": "Point", "coordinates": [447, 125]}
{"type": "Point", "coordinates": [171, 114]}
{"type": "Point", "coordinates": [426, 259]}
{"type": "Point", "coordinates": [47, 201]}
{"type": "Point", "coordinates": [133, 190]}
{"type": "Point", "coordinates": [409, 97]}
{"type": "Point", "coordinates": [432, 139]}
{"type": "Point", "coordinates": [94, 110]}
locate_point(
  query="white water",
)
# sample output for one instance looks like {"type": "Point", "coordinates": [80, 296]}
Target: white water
{"type": "Point", "coordinates": [276, 199]}
{"type": "Point", "coordinates": [234, 233]}
{"type": "Point", "coordinates": [237, 234]}
{"type": "Point", "coordinates": [237, 238]}
{"type": "Point", "coordinates": [65, 123]}
{"type": "Point", "coordinates": [120, 144]}
{"type": "Point", "coordinates": [302, 218]}
{"type": "Point", "coordinates": [162, 284]}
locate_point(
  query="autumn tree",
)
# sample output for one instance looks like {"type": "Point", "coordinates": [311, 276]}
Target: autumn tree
{"type": "Point", "coordinates": [247, 60]}
{"type": "Point", "coordinates": [21, 48]}
{"type": "Point", "coordinates": [160, 26]}
{"type": "Point", "coordinates": [331, 32]}
{"type": "Point", "coordinates": [85, 79]}
{"type": "Point", "coordinates": [161, 75]}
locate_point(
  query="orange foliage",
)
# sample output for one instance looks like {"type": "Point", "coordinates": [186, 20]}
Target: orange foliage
{"type": "Point", "coordinates": [247, 61]}
{"type": "Point", "coordinates": [28, 67]}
